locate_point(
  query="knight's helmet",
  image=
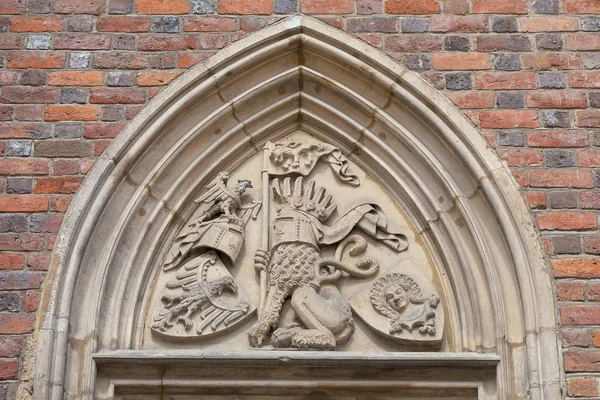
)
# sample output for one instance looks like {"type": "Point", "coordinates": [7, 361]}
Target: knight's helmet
{"type": "Point", "coordinates": [300, 209]}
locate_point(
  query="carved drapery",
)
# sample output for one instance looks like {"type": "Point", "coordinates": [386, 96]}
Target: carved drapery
{"type": "Point", "coordinates": [302, 76]}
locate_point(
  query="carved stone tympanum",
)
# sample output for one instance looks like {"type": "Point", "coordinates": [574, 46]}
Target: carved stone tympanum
{"type": "Point", "coordinates": [325, 251]}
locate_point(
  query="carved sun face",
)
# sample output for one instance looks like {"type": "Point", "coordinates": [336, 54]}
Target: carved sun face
{"type": "Point", "coordinates": [397, 298]}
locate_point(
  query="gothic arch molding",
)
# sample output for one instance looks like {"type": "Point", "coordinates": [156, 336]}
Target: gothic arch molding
{"type": "Point", "coordinates": [301, 74]}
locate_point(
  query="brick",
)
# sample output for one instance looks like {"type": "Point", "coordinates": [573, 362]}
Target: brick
{"type": "Point", "coordinates": [589, 158]}
{"type": "Point", "coordinates": [123, 24]}
{"type": "Point", "coordinates": [32, 301]}
{"type": "Point", "coordinates": [63, 148]}
{"type": "Point", "coordinates": [362, 6]}
{"type": "Point", "coordinates": [582, 387]}
{"type": "Point", "coordinates": [414, 25]}
{"type": "Point", "coordinates": [546, 61]}
{"type": "Point", "coordinates": [15, 130]}
{"type": "Point", "coordinates": [590, 200]}
{"type": "Point", "coordinates": [591, 245]}
{"type": "Point", "coordinates": [68, 130]}
{"type": "Point", "coordinates": [71, 113]}
{"type": "Point", "coordinates": [472, 99]}
{"type": "Point", "coordinates": [567, 220]}
{"type": "Point", "coordinates": [117, 96]}
{"type": "Point", "coordinates": [33, 78]}
{"type": "Point", "coordinates": [35, 24]}
{"type": "Point", "coordinates": [552, 80]}
{"type": "Point", "coordinates": [18, 149]}
{"type": "Point", "coordinates": [535, 200]}
{"type": "Point", "coordinates": [575, 337]}
{"type": "Point", "coordinates": [559, 158]}
{"type": "Point", "coordinates": [560, 178]}
{"type": "Point", "coordinates": [8, 78]}
{"type": "Point", "coordinates": [503, 43]}
{"type": "Point", "coordinates": [509, 119]}
{"type": "Point", "coordinates": [10, 301]}
{"type": "Point", "coordinates": [266, 6]}
{"type": "Point", "coordinates": [499, 7]}
{"type": "Point", "coordinates": [11, 324]}
{"type": "Point", "coordinates": [79, 23]}
{"type": "Point", "coordinates": [548, 42]}
{"type": "Point", "coordinates": [505, 24]}
{"type": "Point", "coordinates": [79, 7]}
{"type": "Point", "coordinates": [165, 24]}
{"type": "Point", "coordinates": [459, 81]}
{"type": "Point", "coordinates": [119, 60]}
{"type": "Point", "coordinates": [13, 7]}
{"type": "Point", "coordinates": [170, 42]}
{"type": "Point", "coordinates": [10, 346]}
{"type": "Point", "coordinates": [521, 157]}
{"type": "Point", "coordinates": [557, 99]}
{"type": "Point", "coordinates": [588, 79]}
{"type": "Point", "coordinates": [19, 185]}
{"type": "Point", "coordinates": [545, 6]}
{"type": "Point", "coordinates": [505, 80]}
{"type": "Point", "coordinates": [590, 24]}
{"type": "Point", "coordinates": [548, 24]}
{"type": "Point", "coordinates": [376, 40]}
{"type": "Point", "coordinates": [79, 60]}
{"type": "Point", "coordinates": [123, 42]}
{"type": "Point", "coordinates": [28, 95]}
{"type": "Point", "coordinates": [507, 62]}
{"type": "Point", "coordinates": [582, 42]}
{"type": "Point", "coordinates": [13, 223]}
{"type": "Point", "coordinates": [562, 199]}
{"type": "Point", "coordinates": [38, 261]}
{"type": "Point", "coordinates": [556, 119]}
{"type": "Point", "coordinates": [81, 41]}
{"type": "Point", "coordinates": [567, 244]}
{"type": "Point", "coordinates": [456, 7]}
{"type": "Point", "coordinates": [580, 315]}
{"type": "Point", "coordinates": [29, 166]}
{"type": "Point", "coordinates": [112, 113]}
{"type": "Point", "coordinates": [62, 185]}
{"type": "Point", "coordinates": [471, 61]}
{"type": "Point", "coordinates": [372, 24]}
{"type": "Point", "coordinates": [417, 62]}
{"type": "Point", "coordinates": [414, 7]}
{"type": "Point", "coordinates": [40, 60]}
{"type": "Point", "coordinates": [582, 6]}
{"type": "Point", "coordinates": [9, 369]}
{"type": "Point", "coordinates": [156, 78]}
{"type": "Point", "coordinates": [63, 167]}
{"type": "Point", "coordinates": [75, 78]}
{"type": "Point", "coordinates": [102, 131]}
{"type": "Point", "coordinates": [456, 23]}
{"type": "Point", "coordinates": [413, 43]}
{"type": "Point", "coordinates": [212, 40]}
{"type": "Point", "coordinates": [16, 280]}
{"type": "Point", "coordinates": [186, 60]}
{"type": "Point", "coordinates": [587, 118]}
{"type": "Point", "coordinates": [167, 7]}
{"type": "Point", "coordinates": [209, 24]}
{"type": "Point", "coordinates": [121, 6]}
{"type": "Point", "coordinates": [513, 138]}
{"type": "Point", "coordinates": [49, 223]}
{"type": "Point", "coordinates": [570, 290]}
{"type": "Point", "coordinates": [10, 42]}
{"type": "Point", "coordinates": [29, 112]}
{"type": "Point", "coordinates": [510, 100]}
{"type": "Point", "coordinates": [11, 261]}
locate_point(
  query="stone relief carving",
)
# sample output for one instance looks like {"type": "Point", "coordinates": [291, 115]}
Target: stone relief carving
{"type": "Point", "coordinates": [307, 247]}
{"type": "Point", "coordinates": [393, 293]}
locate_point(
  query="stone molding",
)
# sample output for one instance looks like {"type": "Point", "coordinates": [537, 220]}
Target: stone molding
{"type": "Point", "coordinates": [300, 74]}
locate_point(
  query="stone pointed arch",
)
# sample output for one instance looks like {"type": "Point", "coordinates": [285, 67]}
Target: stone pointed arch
{"type": "Point", "coordinates": [301, 74]}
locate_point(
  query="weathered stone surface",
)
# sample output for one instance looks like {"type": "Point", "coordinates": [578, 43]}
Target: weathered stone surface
{"type": "Point", "coordinates": [459, 81]}
{"type": "Point", "coordinates": [507, 62]}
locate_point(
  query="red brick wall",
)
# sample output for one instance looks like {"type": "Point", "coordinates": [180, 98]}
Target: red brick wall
{"type": "Point", "coordinates": [526, 72]}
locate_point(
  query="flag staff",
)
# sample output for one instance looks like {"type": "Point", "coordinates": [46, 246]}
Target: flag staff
{"type": "Point", "coordinates": [265, 224]}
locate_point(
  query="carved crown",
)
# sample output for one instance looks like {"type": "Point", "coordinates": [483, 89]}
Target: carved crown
{"type": "Point", "coordinates": [309, 197]}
